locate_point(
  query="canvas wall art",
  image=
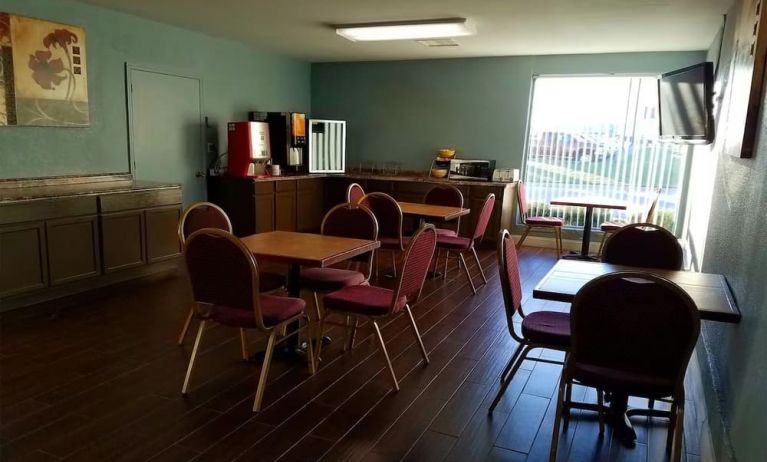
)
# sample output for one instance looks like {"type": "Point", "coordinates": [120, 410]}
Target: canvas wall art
{"type": "Point", "coordinates": [43, 73]}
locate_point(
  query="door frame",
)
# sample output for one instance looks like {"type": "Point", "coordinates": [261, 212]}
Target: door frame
{"type": "Point", "coordinates": [129, 67]}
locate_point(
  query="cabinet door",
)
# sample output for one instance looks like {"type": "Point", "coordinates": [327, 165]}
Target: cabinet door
{"type": "Point", "coordinates": [73, 250]}
{"type": "Point", "coordinates": [285, 211]}
{"type": "Point", "coordinates": [310, 205]}
{"type": "Point", "coordinates": [161, 233]}
{"type": "Point", "coordinates": [122, 239]}
{"type": "Point", "coordinates": [264, 205]}
{"type": "Point", "coordinates": [23, 265]}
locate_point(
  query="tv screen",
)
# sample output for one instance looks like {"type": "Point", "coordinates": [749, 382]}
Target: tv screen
{"type": "Point", "coordinates": [685, 102]}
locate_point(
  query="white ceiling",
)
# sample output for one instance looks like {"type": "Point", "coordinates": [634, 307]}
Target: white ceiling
{"type": "Point", "coordinates": [299, 28]}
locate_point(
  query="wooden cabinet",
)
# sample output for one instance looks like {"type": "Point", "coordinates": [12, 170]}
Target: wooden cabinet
{"type": "Point", "coordinates": [161, 226]}
{"type": "Point", "coordinates": [73, 249]}
{"type": "Point", "coordinates": [122, 239]}
{"type": "Point", "coordinates": [285, 205]}
{"type": "Point", "coordinates": [310, 205]}
{"type": "Point", "coordinates": [23, 265]}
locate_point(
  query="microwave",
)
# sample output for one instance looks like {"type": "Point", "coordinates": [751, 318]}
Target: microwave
{"type": "Point", "coordinates": [477, 170]}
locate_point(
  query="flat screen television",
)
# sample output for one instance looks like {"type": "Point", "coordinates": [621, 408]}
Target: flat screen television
{"type": "Point", "coordinates": [685, 100]}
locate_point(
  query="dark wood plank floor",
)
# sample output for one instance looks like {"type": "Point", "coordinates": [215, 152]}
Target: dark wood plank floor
{"type": "Point", "coordinates": [100, 380]}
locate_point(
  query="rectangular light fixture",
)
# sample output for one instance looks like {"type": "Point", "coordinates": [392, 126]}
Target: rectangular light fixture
{"type": "Point", "coordinates": [406, 30]}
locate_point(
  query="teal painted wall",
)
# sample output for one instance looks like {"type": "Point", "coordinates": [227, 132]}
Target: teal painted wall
{"type": "Point", "coordinates": [235, 79]}
{"type": "Point", "coordinates": [733, 358]}
{"type": "Point", "coordinates": [405, 110]}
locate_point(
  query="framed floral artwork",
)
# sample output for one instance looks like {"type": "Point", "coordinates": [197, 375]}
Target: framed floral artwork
{"type": "Point", "coordinates": [43, 73]}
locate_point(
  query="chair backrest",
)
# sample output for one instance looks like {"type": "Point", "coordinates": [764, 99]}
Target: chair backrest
{"type": "Point", "coordinates": [354, 221]}
{"type": "Point", "coordinates": [202, 215]}
{"type": "Point", "coordinates": [484, 217]}
{"type": "Point", "coordinates": [650, 215]}
{"type": "Point", "coordinates": [511, 283]}
{"type": "Point", "coordinates": [388, 213]}
{"type": "Point", "coordinates": [636, 323]}
{"type": "Point", "coordinates": [447, 195]}
{"type": "Point", "coordinates": [222, 272]}
{"type": "Point", "coordinates": [522, 200]}
{"type": "Point", "coordinates": [354, 193]}
{"type": "Point", "coordinates": [415, 265]}
{"type": "Point", "coordinates": [644, 245]}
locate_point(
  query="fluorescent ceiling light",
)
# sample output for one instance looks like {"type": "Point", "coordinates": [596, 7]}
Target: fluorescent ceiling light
{"type": "Point", "coordinates": [406, 30]}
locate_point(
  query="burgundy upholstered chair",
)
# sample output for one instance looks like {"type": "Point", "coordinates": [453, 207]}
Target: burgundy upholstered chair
{"type": "Point", "coordinates": [389, 215]}
{"type": "Point", "coordinates": [645, 245]}
{"type": "Point", "coordinates": [449, 196]}
{"type": "Point", "coordinates": [224, 278]}
{"type": "Point", "coordinates": [541, 329]}
{"type": "Point", "coordinates": [208, 215]}
{"type": "Point", "coordinates": [345, 220]}
{"type": "Point", "coordinates": [609, 227]}
{"type": "Point", "coordinates": [632, 334]}
{"type": "Point", "coordinates": [354, 193]}
{"type": "Point", "coordinates": [461, 244]}
{"type": "Point", "coordinates": [550, 223]}
{"type": "Point", "coordinates": [377, 303]}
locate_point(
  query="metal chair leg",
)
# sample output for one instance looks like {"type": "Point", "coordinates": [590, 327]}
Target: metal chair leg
{"type": "Point", "coordinates": [193, 357]}
{"type": "Point", "coordinates": [394, 263]}
{"type": "Point", "coordinates": [468, 275]}
{"type": "Point", "coordinates": [523, 236]}
{"type": "Point", "coordinates": [513, 358]}
{"type": "Point", "coordinates": [386, 356]}
{"type": "Point", "coordinates": [601, 411]}
{"type": "Point", "coordinates": [566, 406]}
{"type": "Point", "coordinates": [310, 350]}
{"type": "Point", "coordinates": [447, 260]}
{"type": "Point", "coordinates": [602, 244]}
{"type": "Point", "coordinates": [353, 334]}
{"type": "Point", "coordinates": [479, 265]}
{"type": "Point", "coordinates": [417, 335]}
{"type": "Point", "coordinates": [557, 418]}
{"type": "Point", "coordinates": [676, 451]}
{"type": "Point", "coordinates": [319, 336]}
{"type": "Point", "coordinates": [185, 327]}
{"type": "Point", "coordinates": [509, 378]}
{"type": "Point", "coordinates": [244, 345]}
{"type": "Point", "coordinates": [265, 370]}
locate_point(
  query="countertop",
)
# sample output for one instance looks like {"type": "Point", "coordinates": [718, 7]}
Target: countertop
{"type": "Point", "coordinates": [411, 177]}
{"type": "Point", "coordinates": [16, 194]}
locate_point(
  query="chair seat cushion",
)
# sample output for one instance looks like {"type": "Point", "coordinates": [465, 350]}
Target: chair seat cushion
{"type": "Point", "coordinates": [549, 327]}
{"type": "Point", "coordinates": [628, 382]}
{"type": "Point", "coordinates": [612, 225]}
{"type": "Point", "coordinates": [454, 242]}
{"type": "Point", "coordinates": [274, 310]}
{"type": "Point", "coordinates": [547, 221]}
{"type": "Point", "coordinates": [268, 281]}
{"type": "Point", "coordinates": [330, 279]}
{"type": "Point", "coordinates": [446, 232]}
{"type": "Point", "coordinates": [369, 300]}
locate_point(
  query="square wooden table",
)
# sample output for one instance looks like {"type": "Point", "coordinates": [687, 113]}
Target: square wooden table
{"type": "Point", "coordinates": [710, 292]}
{"type": "Point", "coordinates": [304, 249]}
{"type": "Point", "coordinates": [590, 203]}
{"type": "Point", "coordinates": [439, 212]}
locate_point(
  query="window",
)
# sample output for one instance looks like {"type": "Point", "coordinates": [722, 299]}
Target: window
{"type": "Point", "coordinates": [598, 136]}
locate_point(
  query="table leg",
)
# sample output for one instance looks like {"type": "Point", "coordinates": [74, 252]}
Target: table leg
{"type": "Point", "coordinates": [587, 232]}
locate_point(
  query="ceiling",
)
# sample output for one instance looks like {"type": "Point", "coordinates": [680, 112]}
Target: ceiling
{"type": "Point", "coordinates": [299, 28]}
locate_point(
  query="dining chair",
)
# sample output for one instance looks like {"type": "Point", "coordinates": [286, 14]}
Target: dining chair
{"type": "Point", "coordinates": [225, 286]}
{"type": "Point", "coordinates": [540, 329]}
{"type": "Point", "coordinates": [378, 303]}
{"type": "Point", "coordinates": [449, 196]}
{"type": "Point", "coordinates": [209, 215]}
{"type": "Point", "coordinates": [389, 215]}
{"type": "Point", "coordinates": [645, 245]}
{"type": "Point", "coordinates": [354, 193]}
{"type": "Point", "coordinates": [462, 244]}
{"type": "Point", "coordinates": [344, 220]}
{"type": "Point", "coordinates": [610, 227]}
{"type": "Point", "coordinates": [531, 222]}
{"type": "Point", "coordinates": [632, 333]}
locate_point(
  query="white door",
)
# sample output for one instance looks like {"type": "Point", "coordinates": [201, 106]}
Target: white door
{"type": "Point", "coordinates": [166, 132]}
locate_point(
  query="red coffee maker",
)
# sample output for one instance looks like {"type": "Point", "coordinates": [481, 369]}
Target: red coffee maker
{"type": "Point", "coordinates": [249, 149]}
